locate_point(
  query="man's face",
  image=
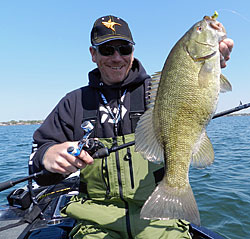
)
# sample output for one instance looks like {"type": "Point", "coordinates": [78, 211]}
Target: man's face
{"type": "Point", "coordinates": [113, 68]}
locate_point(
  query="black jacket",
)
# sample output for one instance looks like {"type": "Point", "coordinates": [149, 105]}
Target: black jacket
{"type": "Point", "coordinates": [64, 122]}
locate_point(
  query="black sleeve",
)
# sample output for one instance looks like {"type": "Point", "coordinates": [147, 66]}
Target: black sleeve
{"type": "Point", "coordinates": [57, 128]}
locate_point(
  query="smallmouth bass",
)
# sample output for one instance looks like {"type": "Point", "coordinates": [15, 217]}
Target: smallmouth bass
{"type": "Point", "coordinates": [184, 97]}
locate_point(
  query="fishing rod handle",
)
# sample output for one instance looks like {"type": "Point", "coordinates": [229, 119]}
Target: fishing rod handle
{"type": "Point", "coordinates": [6, 185]}
{"type": "Point", "coordinates": [11, 183]}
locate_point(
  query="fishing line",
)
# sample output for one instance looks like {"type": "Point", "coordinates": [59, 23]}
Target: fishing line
{"type": "Point", "coordinates": [236, 13]}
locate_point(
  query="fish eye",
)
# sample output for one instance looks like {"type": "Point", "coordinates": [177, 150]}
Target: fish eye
{"type": "Point", "coordinates": [199, 29]}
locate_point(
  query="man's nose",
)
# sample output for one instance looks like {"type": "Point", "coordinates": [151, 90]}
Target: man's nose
{"type": "Point", "coordinates": [116, 55]}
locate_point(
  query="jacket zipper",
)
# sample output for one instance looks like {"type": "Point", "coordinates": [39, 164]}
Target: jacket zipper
{"type": "Point", "coordinates": [118, 167]}
{"type": "Point", "coordinates": [128, 157]}
{"type": "Point", "coordinates": [105, 169]}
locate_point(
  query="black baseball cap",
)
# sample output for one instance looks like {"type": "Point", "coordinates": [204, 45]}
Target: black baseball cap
{"type": "Point", "coordinates": [110, 28]}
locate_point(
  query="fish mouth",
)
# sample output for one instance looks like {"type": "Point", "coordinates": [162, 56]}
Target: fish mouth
{"type": "Point", "coordinates": [220, 28]}
{"type": "Point", "coordinates": [217, 26]}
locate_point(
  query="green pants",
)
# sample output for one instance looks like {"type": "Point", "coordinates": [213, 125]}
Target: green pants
{"type": "Point", "coordinates": [99, 220]}
{"type": "Point", "coordinates": [87, 230]}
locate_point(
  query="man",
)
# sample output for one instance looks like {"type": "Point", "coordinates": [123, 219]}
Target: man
{"type": "Point", "coordinates": [114, 188]}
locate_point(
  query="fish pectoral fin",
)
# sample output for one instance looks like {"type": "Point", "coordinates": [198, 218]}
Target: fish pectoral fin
{"type": "Point", "coordinates": [167, 203]}
{"type": "Point", "coordinates": [203, 153]}
{"type": "Point", "coordinates": [225, 85]}
{"type": "Point", "coordinates": [205, 75]}
{"type": "Point", "coordinates": [145, 139]}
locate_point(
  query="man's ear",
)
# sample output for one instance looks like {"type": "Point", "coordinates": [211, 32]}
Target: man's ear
{"type": "Point", "coordinates": [93, 53]}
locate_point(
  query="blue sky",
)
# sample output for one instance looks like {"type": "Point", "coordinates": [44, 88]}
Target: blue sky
{"type": "Point", "coordinates": [44, 46]}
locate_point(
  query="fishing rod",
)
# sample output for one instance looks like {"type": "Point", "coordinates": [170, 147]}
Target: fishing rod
{"type": "Point", "coordinates": [10, 183]}
{"type": "Point", "coordinates": [235, 109]}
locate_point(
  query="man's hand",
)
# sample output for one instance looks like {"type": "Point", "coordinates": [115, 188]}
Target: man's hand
{"type": "Point", "coordinates": [225, 47]}
{"type": "Point", "coordinates": [58, 160]}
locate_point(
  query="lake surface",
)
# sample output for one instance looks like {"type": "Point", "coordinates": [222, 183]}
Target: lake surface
{"type": "Point", "coordinates": [222, 190]}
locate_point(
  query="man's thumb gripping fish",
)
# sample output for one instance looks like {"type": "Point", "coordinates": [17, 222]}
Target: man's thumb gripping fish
{"type": "Point", "coordinates": [183, 100]}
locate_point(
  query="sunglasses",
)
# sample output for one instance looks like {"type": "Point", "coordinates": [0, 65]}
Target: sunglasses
{"type": "Point", "coordinates": [108, 50]}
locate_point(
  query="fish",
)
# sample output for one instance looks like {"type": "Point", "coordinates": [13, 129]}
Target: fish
{"type": "Point", "coordinates": [172, 131]}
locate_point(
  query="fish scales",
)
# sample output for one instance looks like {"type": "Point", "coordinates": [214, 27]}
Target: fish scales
{"type": "Point", "coordinates": [185, 102]}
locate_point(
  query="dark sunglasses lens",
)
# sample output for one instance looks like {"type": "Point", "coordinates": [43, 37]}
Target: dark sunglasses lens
{"type": "Point", "coordinates": [110, 50]}
{"type": "Point", "coordinates": [106, 50]}
{"type": "Point", "coordinates": [125, 50]}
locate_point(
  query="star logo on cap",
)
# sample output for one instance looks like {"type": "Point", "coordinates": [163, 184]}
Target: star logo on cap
{"type": "Point", "coordinates": [109, 24]}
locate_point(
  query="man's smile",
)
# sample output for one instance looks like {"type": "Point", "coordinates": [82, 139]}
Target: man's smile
{"type": "Point", "coordinates": [116, 67]}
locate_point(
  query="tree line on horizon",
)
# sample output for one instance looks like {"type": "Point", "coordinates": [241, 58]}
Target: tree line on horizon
{"type": "Point", "coordinates": [14, 122]}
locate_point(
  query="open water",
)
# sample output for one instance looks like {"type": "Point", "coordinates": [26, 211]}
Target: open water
{"type": "Point", "coordinates": [222, 190]}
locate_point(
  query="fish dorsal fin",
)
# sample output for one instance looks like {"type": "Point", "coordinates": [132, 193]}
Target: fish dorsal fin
{"type": "Point", "coordinates": [224, 84]}
{"type": "Point", "coordinates": [153, 87]}
{"type": "Point", "coordinates": [156, 75]}
{"type": "Point", "coordinates": [145, 139]}
{"type": "Point", "coordinates": [203, 153]}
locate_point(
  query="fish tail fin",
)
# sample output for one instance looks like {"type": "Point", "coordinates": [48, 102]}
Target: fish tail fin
{"type": "Point", "coordinates": [167, 203]}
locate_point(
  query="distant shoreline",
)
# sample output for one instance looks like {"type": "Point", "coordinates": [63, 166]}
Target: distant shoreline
{"type": "Point", "coordinates": [33, 122]}
{"type": "Point", "coordinates": [244, 114]}
{"type": "Point", "coordinates": [21, 122]}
